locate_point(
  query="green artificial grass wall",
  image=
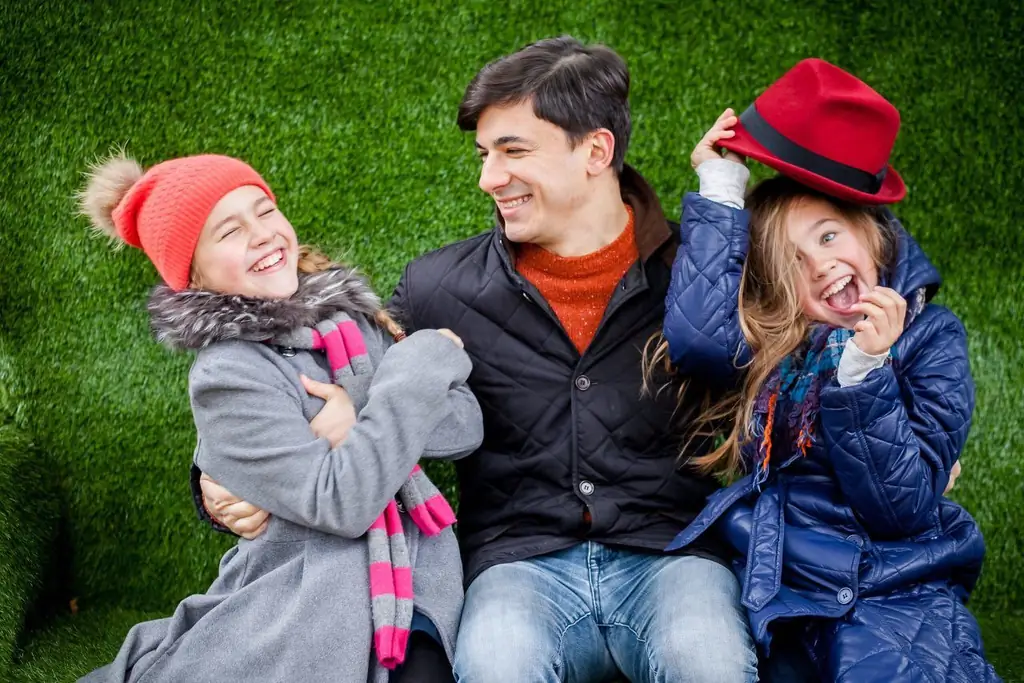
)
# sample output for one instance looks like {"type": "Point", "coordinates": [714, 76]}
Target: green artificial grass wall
{"type": "Point", "coordinates": [348, 110]}
{"type": "Point", "coordinates": [28, 521]}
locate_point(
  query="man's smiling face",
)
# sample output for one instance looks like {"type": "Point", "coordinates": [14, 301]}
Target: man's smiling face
{"type": "Point", "coordinates": [536, 178]}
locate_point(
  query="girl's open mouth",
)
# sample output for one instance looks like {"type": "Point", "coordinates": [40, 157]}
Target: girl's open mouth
{"type": "Point", "coordinates": [842, 294]}
{"type": "Point", "coordinates": [270, 263]}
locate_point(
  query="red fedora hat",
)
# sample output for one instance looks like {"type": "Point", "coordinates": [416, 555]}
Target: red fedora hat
{"type": "Point", "coordinates": [827, 129]}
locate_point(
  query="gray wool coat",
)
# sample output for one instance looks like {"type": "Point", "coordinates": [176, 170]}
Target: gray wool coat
{"type": "Point", "coordinates": [294, 604]}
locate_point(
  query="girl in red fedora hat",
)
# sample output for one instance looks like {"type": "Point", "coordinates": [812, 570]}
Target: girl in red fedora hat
{"type": "Point", "coordinates": [356, 574]}
{"type": "Point", "coordinates": [848, 393]}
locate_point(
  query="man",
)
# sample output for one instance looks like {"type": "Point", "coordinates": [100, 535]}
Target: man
{"type": "Point", "coordinates": [578, 486]}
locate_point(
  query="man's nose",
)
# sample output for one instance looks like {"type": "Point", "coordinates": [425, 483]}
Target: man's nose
{"type": "Point", "coordinates": [493, 175]}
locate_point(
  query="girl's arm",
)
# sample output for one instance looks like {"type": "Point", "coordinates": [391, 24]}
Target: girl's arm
{"type": "Point", "coordinates": [255, 441]}
{"type": "Point", "coordinates": [461, 431]}
{"type": "Point", "coordinates": [894, 437]}
{"type": "Point", "coordinates": [702, 305]}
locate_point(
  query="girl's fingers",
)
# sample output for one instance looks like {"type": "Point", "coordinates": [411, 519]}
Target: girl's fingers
{"type": "Point", "coordinates": [870, 309]}
{"type": "Point", "coordinates": [253, 534]}
{"type": "Point", "coordinates": [889, 291]}
{"type": "Point", "coordinates": [878, 298]}
{"type": "Point", "coordinates": [241, 510]}
{"type": "Point", "coordinates": [876, 317]}
{"type": "Point", "coordinates": [250, 525]}
{"type": "Point", "coordinates": [216, 496]}
{"type": "Point", "coordinates": [319, 389]}
{"type": "Point", "coordinates": [713, 140]}
{"type": "Point", "coordinates": [724, 125]}
{"type": "Point", "coordinates": [885, 304]}
{"type": "Point", "coordinates": [894, 304]}
{"type": "Point", "coordinates": [901, 307]}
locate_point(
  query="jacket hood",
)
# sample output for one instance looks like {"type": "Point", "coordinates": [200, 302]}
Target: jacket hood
{"type": "Point", "coordinates": [911, 269]}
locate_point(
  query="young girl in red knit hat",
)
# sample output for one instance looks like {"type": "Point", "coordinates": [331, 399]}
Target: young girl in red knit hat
{"type": "Point", "coordinates": [357, 576]}
{"type": "Point", "coordinates": [849, 394]}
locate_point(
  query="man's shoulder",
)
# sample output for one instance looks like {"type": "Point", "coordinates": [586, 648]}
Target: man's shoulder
{"type": "Point", "coordinates": [455, 268]}
{"type": "Point", "coordinates": [454, 252]}
{"type": "Point", "coordinates": [468, 255]}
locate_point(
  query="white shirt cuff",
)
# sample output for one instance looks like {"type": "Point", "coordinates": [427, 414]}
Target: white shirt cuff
{"type": "Point", "coordinates": [723, 181]}
{"type": "Point", "coordinates": [855, 365]}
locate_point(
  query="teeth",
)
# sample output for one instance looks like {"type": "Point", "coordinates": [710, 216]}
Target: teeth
{"type": "Point", "coordinates": [836, 287]}
{"type": "Point", "coordinates": [514, 203]}
{"type": "Point", "coordinates": [268, 261]}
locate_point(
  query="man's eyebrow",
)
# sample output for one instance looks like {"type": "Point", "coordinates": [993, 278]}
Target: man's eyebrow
{"type": "Point", "coordinates": [508, 139]}
{"type": "Point", "coordinates": [505, 140]}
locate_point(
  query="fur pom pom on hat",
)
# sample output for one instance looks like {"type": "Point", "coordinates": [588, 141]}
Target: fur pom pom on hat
{"type": "Point", "coordinates": [163, 210]}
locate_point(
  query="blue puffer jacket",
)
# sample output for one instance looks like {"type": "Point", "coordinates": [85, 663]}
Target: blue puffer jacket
{"type": "Point", "coordinates": [857, 532]}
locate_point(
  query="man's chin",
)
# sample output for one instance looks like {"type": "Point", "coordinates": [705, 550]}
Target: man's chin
{"type": "Point", "coordinates": [519, 233]}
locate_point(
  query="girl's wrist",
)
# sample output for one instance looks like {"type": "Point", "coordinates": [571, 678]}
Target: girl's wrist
{"type": "Point", "coordinates": [723, 181]}
{"type": "Point", "coordinates": [856, 364]}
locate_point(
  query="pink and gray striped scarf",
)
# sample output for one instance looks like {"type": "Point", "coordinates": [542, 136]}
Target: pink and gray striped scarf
{"type": "Point", "coordinates": [391, 593]}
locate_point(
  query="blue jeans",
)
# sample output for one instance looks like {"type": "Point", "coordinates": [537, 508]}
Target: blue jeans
{"type": "Point", "coordinates": [587, 613]}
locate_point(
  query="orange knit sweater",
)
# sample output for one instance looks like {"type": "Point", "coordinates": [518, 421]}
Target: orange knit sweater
{"type": "Point", "coordinates": [579, 288]}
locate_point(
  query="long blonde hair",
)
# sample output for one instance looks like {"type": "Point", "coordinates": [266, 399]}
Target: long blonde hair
{"type": "Point", "coordinates": [770, 315]}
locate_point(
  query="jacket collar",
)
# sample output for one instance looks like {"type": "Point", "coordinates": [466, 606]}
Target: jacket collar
{"type": "Point", "coordinates": [194, 319]}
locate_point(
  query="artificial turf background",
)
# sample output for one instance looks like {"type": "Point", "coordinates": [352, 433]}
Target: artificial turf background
{"type": "Point", "coordinates": [348, 110]}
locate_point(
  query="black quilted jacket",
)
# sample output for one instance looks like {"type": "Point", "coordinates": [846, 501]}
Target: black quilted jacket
{"type": "Point", "coordinates": [571, 451]}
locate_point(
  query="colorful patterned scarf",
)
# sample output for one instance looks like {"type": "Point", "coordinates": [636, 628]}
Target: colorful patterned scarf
{"type": "Point", "coordinates": [793, 390]}
{"type": "Point", "coordinates": [391, 592]}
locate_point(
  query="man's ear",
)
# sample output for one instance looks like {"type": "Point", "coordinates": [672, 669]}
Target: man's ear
{"type": "Point", "coordinates": [601, 150]}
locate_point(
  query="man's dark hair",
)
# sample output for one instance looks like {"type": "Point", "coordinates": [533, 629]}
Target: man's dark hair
{"type": "Point", "coordinates": [577, 87]}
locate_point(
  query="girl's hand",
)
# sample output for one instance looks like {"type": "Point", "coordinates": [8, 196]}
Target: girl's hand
{"type": "Point", "coordinates": [954, 474]}
{"type": "Point", "coordinates": [244, 519]}
{"type": "Point", "coordinates": [884, 312]}
{"type": "Point", "coordinates": [705, 149]}
{"type": "Point", "coordinates": [335, 419]}
{"type": "Point", "coordinates": [456, 339]}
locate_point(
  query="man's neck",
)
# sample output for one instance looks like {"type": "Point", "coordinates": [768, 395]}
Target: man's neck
{"type": "Point", "coordinates": [596, 224]}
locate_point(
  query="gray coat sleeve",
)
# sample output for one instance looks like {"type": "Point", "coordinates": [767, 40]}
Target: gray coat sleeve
{"type": "Point", "coordinates": [461, 431]}
{"type": "Point", "coordinates": [255, 440]}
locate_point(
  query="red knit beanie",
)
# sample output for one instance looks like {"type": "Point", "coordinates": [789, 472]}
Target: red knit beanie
{"type": "Point", "coordinates": [163, 210]}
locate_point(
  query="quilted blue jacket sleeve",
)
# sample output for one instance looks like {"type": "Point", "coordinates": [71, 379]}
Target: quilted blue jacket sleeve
{"type": "Point", "coordinates": [894, 437]}
{"type": "Point", "coordinates": [701, 308]}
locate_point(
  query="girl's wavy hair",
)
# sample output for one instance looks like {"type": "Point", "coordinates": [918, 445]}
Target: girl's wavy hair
{"type": "Point", "coordinates": [770, 316]}
{"type": "Point", "coordinates": [311, 260]}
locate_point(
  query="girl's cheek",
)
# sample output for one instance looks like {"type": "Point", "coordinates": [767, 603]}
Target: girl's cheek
{"type": "Point", "coordinates": [807, 306]}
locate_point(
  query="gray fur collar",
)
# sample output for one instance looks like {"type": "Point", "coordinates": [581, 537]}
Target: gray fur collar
{"type": "Point", "coordinates": [194, 319]}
